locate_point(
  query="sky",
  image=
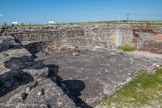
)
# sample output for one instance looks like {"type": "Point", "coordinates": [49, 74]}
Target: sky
{"type": "Point", "coordinates": [63, 11]}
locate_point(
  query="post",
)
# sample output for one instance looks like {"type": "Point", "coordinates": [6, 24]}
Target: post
{"type": "Point", "coordinates": [127, 17]}
{"type": "Point", "coordinates": [45, 19]}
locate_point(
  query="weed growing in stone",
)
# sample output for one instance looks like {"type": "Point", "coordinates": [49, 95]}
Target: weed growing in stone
{"type": "Point", "coordinates": [127, 48]}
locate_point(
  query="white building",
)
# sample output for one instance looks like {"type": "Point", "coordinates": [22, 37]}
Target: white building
{"type": "Point", "coordinates": [51, 22]}
{"type": "Point", "coordinates": [14, 23]}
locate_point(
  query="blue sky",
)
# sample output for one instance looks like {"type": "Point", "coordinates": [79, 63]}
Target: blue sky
{"type": "Point", "coordinates": [78, 10]}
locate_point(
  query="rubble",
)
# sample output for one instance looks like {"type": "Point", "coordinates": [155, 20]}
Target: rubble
{"type": "Point", "coordinates": [4, 44]}
{"type": "Point", "coordinates": [21, 79]}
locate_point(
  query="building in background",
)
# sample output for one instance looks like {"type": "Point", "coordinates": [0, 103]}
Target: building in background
{"type": "Point", "coordinates": [15, 23]}
{"type": "Point", "coordinates": [51, 22]}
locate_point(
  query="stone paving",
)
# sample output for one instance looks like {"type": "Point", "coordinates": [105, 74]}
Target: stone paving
{"type": "Point", "coordinates": [96, 73]}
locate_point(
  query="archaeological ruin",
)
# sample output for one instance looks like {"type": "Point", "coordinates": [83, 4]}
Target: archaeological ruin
{"type": "Point", "coordinates": [72, 66]}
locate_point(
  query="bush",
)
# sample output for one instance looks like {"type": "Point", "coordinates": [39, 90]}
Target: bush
{"type": "Point", "coordinates": [127, 48]}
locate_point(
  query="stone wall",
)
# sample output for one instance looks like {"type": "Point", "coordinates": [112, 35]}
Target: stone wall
{"type": "Point", "coordinates": [104, 36]}
{"type": "Point", "coordinates": [146, 43]}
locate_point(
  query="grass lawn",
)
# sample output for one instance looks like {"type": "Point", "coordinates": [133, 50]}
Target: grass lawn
{"type": "Point", "coordinates": [144, 90]}
{"type": "Point", "coordinates": [127, 48]}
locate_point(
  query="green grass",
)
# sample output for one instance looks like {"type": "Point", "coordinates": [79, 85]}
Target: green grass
{"type": "Point", "coordinates": [127, 48]}
{"type": "Point", "coordinates": [145, 89]}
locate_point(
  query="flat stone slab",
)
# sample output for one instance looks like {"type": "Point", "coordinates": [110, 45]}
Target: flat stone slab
{"type": "Point", "coordinates": [96, 73]}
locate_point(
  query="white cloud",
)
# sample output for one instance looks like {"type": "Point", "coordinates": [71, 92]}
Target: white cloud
{"type": "Point", "coordinates": [1, 14]}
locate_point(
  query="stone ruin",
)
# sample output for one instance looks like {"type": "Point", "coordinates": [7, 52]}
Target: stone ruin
{"type": "Point", "coordinates": [58, 79]}
{"type": "Point", "coordinates": [148, 40]}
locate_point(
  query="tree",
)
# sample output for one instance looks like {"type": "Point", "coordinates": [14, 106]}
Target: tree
{"type": "Point", "coordinates": [22, 24]}
{"type": "Point", "coordinates": [30, 24]}
{"type": "Point", "coordinates": [5, 24]}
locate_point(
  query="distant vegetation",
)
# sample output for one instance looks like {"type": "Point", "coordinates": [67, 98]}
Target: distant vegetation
{"type": "Point", "coordinates": [127, 48]}
{"type": "Point", "coordinates": [145, 89]}
{"type": "Point", "coordinates": [132, 23]}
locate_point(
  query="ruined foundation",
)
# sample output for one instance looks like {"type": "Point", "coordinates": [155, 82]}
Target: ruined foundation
{"type": "Point", "coordinates": [35, 73]}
